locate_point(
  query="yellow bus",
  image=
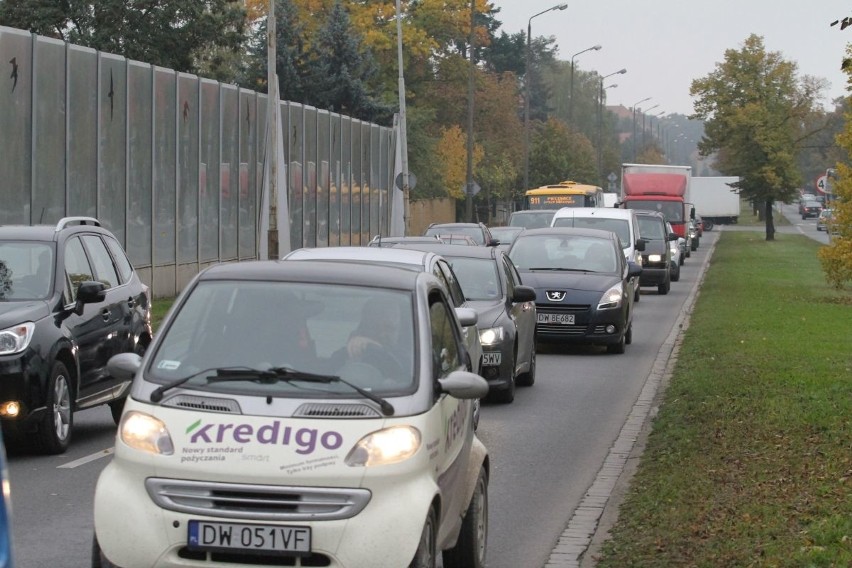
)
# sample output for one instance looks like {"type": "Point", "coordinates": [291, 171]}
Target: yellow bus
{"type": "Point", "coordinates": [564, 194]}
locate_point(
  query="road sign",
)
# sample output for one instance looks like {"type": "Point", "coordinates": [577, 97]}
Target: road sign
{"type": "Point", "coordinates": [822, 184]}
{"type": "Point", "coordinates": [612, 177]}
{"type": "Point", "coordinates": [473, 190]}
{"type": "Point", "coordinates": [412, 181]}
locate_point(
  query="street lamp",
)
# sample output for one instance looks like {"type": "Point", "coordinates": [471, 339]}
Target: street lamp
{"type": "Point", "coordinates": [527, 79]}
{"type": "Point", "coordinates": [571, 88]}
{"type": "Point", "coordinates": [634, 124]}
{"type": "Point", "coordinates": [644, 114]}
{"type": "Point", "coordinates": [600, 121]}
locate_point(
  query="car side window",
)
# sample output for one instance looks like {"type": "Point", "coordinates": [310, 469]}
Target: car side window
{"type": "Point", "coordinates": [101, 260]}
{"type": "Point", "coordinates": [510, 279]}
{"type": "Point", "coordinates": [445, 341]}
{"type": "Point", "coordinates": [77, 268]}
{"type": "Point", "coordinates": [125, 270]}
{"type": "Point", "coordinates": [452, 283]}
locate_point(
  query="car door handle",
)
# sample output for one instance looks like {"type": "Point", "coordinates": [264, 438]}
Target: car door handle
{"type": "Point", "coordinates": [105, 314]}
{"type": "Point", "coordinates": [131, 302]}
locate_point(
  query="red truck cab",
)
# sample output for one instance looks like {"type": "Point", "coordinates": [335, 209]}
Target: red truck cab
{"type": "Point", "coordinates": [659, 188]}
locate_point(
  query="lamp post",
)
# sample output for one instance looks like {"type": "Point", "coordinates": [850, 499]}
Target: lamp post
{"type": "Point", "coordinates": [403, 133]}
{"type": "Point", "coordinates": [272, 123]}
{"type": "Point", "coordinates": [644, 114]}
{"type": "Point", "coordinates": [571, 88]}
{"type": "Point", "coordinates": [600, 121]}
{"type": "Point", "coordinates": [527, 80]}
{"type": "Point", "coordinates": [634, 124]}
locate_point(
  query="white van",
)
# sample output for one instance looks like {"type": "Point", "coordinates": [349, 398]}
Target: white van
{"type": "Point", "coordinates": [622, 222]}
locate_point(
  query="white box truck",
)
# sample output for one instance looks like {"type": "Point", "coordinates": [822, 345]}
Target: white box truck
{"type": "Point", "coordinates": [715, 200]}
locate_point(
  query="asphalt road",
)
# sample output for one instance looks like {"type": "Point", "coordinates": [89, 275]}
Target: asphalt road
{"type": "Point", "coordinates": [546, 448]}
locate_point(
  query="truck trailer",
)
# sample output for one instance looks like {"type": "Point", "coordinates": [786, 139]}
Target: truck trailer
{"type": "Point", "coordinates": [715, 200]}
{"type": "Point", "coordinates": [656, 187]}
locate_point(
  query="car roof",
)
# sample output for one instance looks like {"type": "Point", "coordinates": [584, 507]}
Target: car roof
{"type": "Point", "coordinates": [556, 231]}
{"type": "Point", "coordinates": [385, 255]}
{"type": "Point", "coordinates": [314, 271]}
{"type": "Point", "coordinates": [49, 233]}
{"type": "Point", "coordinates": [602, 212]}
{"type": "Point", "coordinates": [456, 250]}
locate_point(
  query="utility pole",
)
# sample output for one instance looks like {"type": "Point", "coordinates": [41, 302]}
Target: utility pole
{"type": "Point", "coordinates": [403, 131]}
{"type": "Point", "coordinates": [470, 84]}
{"type": "Point", "coordinates": [272, 122]}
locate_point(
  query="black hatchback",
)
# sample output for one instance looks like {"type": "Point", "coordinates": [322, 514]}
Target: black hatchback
{"type": "Point", "coordinates": [69, 300]}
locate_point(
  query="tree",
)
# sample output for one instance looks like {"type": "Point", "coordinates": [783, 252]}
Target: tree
{"type": "Point", "coordinates": [836, 258]}
{"type": "Point", "coordinates": [169, 33]}
{"type": "Point", "coordinates": [341, 70]}
{"type": "Point", "coordinates": [290, 58]}
{"type": "Point", "coordinates": [754, 104]}
{"type": "Point", "coordinates": [453, 156]}
{"type": "Point", "coordinates": [557, 154]}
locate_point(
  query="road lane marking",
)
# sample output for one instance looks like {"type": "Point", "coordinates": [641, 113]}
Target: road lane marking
{"type": "Point", "coordinates": [90, 458]}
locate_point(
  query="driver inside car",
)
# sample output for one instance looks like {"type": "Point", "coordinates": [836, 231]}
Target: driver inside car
{"type": "Point", "coordinates": [376, 339]}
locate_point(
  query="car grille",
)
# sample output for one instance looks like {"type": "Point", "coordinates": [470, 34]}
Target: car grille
{"type": "Point", "coordinates": [254, 558]}
{"type": "Point", "coordinates": [256, 502]}
{"type": "Point", "coordinates": [326, 410]}
{"type": "Point", "coordinates": [576, 330]}
{"type": "Point", "coordinates": [207, 404]}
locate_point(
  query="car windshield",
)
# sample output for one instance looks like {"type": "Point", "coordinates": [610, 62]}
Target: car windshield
{"type": "Point", "coordinates": [477, 276]}
{"type": "Point", "coordinates": [26, 270]}
{"type": "Point", "coordinates": [618, 226]}
{"type": "Point", "coordinates": [673, 210]}
{"type": "Point", "coordinates": [474, 232]}
{"type": "Point", "coordinates": [564, 252]}
{"type": "Point", "coordinates": [506, 235]}
{"type": "Point", "coordinates": [531, 219]}
{"type": "Point", "coordinates": [651, 228]}
{"type": "Point", "coordinates": [362, 335]}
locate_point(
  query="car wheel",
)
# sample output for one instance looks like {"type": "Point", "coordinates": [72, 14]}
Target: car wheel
{"type": "Point", "coordinates": [506, 395]}
{"type": "Point", "coordinates": [425, 556]}
{"type": "Point", "coordinates": [689, 251]}
{"type": "Point", "coordinates": [675, 272]}
{"type": "Point", "coordinates": [664, 288]}
{"type": "Point", "coordinates": [636, 294]}
{"type": "Point", "coordinates": [528, 379]}
{"type": "Point", "coordinates": [469, 551]}
{"type": "Point", "coordinates": [694, 244]}
{"type": "Point", "coordinates": [54, 432]}
{"type": "Point", "coordinates": [628, 335]}
{"type": "Point", "coordinates": [116, 407]}
{"type": "Point", "coordinates": [98, 558]}
{"type": "Point", "coordinates": [617, 348]}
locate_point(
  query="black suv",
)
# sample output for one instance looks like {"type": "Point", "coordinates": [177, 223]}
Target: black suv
{"type": "Point", "coordinates": [656, 258]}
{"type": "Point", "coordinates": [478, 231]}
{"type": "Point", "coordinates": [69, 300]}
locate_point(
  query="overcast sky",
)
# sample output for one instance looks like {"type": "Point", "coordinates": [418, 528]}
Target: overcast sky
{"type": "Point", "coordinates": [665, 44]}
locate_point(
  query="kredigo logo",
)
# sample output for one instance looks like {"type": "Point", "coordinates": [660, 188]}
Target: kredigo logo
{"type": "Point", "coordinates": [305, 439]}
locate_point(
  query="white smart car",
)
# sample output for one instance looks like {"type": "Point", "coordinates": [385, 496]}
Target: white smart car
{"type": "Point", "coordinates": [299, 414]}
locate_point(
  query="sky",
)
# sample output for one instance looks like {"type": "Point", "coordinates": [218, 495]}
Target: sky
{"type": "Point", "coordinates": [665, 44]}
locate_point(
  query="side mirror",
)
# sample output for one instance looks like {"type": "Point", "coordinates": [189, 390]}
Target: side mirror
{"type": "Point", "coordinates": [673, 236]}
{"type": "Point", "coordinates": [124, 366]}
{"type": "Point", "coordinates": [633, 269]}
{"type": "Point", "coordinates": [493, 243]}
{"type": "Point", "coordinates": [464, 385]}
{"type": "Point", "coordinates": [640, 244]}
{"type": "Point", "coordinates": [523, 294]}
{"type": "Point", "coordinates": [467, 317]}
{"type": "Point", "coordinates": [89, 292]}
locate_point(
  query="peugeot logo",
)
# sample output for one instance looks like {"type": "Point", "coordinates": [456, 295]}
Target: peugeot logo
{"type": "Point", "coordinates": [555, 295]}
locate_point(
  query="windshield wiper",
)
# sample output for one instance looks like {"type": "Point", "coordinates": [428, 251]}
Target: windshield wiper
{"type": "Point", "coordinates": [562, 269]}
{"type": "Point", "coordinates": [274, 375]}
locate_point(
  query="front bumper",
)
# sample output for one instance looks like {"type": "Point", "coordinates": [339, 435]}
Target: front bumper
{"type": "Point", "coordinates": [653, 275]}
{"type": "Point", "coordinates": [140, 533]}
{"type": "Point", "coordinates": [590, 326]}
{"type": "Point", "coordinates": [21, 379]}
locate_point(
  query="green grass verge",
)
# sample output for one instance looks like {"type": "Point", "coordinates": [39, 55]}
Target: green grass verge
{"type": "Point", "coordinates": [159, 309]}
{"type": "Point", "coordinates": [750, 459]}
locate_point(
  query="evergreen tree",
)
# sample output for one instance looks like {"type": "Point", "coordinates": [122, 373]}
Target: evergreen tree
{"type": "Point", "coordinates": [290, 61]}
{"type": "Point", "coordinates": [341, 70]}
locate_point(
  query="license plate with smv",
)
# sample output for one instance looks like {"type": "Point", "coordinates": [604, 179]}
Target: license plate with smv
{"type": "Point", "coordinates": [205, 535]}
{"type": "Point", "coordinates": [492, 358]}
{"type": "Point", "coordinates": [564, 319]}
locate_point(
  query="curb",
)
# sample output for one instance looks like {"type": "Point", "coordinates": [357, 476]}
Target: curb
{"type": "Point", "coordinates": [580, 542]}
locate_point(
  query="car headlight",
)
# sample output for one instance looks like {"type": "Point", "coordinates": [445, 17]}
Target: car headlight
{"type": "Point", "coordinates": [655, 258]}
{"type": "Point", "coordinates": [146, 433]}
{"type": "Point", "coordinates": [384, 447]}
{"type": "Point", "coordinates": [491, 336]}
{"type": "Point", "coordinates": [611, 298]}
{"type": "Point", "coordinates": [16, 339]}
